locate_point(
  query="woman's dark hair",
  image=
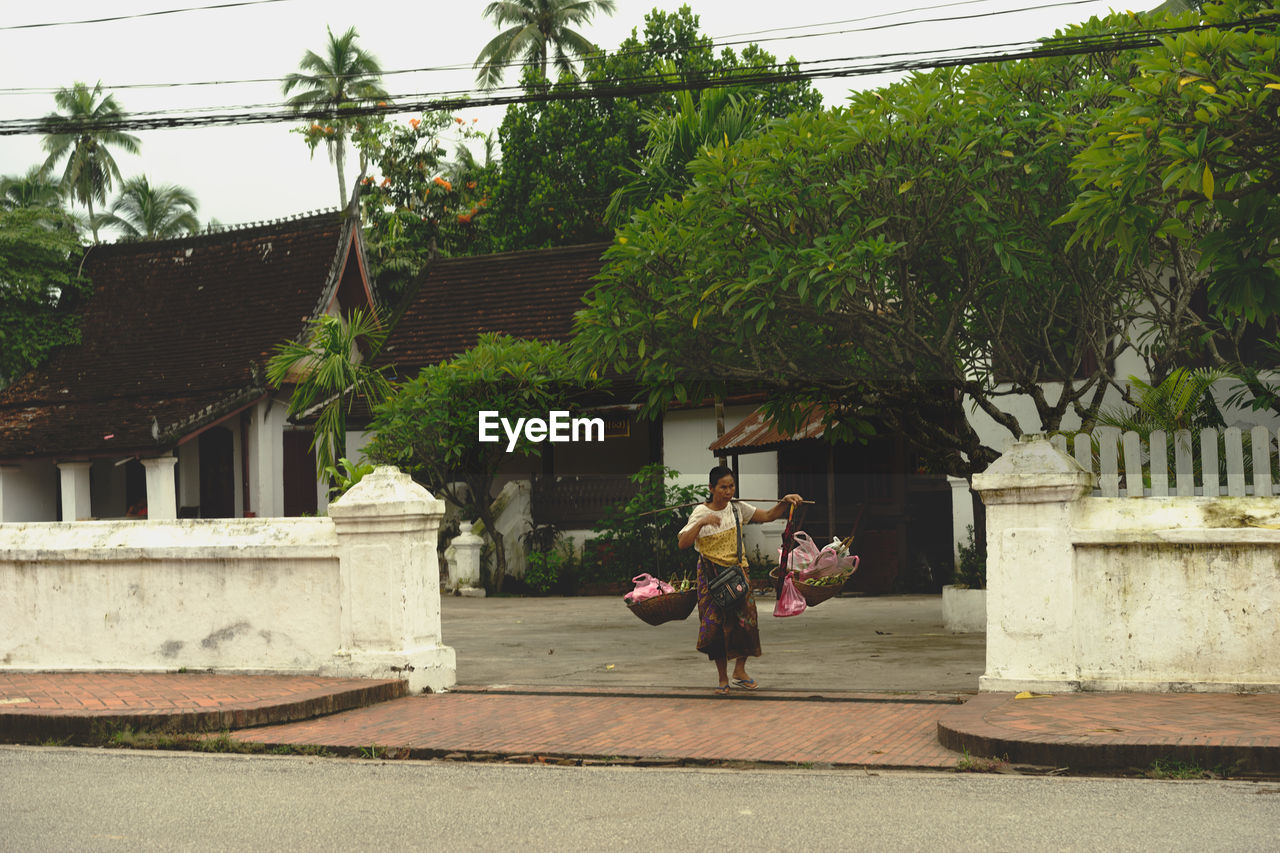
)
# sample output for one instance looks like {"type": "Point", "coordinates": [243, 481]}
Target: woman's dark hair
{"type": "Point", "coordinates": [721, 471]}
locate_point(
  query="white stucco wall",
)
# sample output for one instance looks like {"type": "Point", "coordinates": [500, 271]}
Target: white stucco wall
{"type": "Point", "coordinates": [1141, 594]}
{"type": "Point", "coordinates": [28, 491]}
{"type": "Point", "coordinates": [355, 594]}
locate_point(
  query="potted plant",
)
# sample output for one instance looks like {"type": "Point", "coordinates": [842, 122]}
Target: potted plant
{"type": "Point", "coordinates": [964, 603]}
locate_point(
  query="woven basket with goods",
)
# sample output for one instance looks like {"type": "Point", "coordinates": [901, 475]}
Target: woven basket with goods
{"type": "Point", "coordinates": [819, 590]}
{"type": "Point", "coordinates": [668, 607]}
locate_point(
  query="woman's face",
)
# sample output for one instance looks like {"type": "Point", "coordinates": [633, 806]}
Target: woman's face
{"type": "Point", "coordinates": [722, 491]}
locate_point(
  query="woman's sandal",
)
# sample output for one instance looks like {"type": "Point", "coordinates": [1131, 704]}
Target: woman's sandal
{"type": "Point", "coordinates": [746, 683]}
{"type": "Point", "coordinates": [722, 690]}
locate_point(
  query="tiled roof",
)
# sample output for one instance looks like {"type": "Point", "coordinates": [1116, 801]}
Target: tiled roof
{"type": "Point", "coordinates": [176, 334]}
{"type": "Point", "coordinates": [524, 294]}
{"type": "Point", "coordinates": [755, 434]}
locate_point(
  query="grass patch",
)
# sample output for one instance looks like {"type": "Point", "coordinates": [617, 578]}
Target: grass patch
{"type": "Point", "coordinates": [977, 764]}
{"type": "Point", "coordinates": [1172, 768]}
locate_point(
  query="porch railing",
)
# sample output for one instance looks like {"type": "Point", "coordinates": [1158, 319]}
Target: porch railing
{"type": "Point", "coordinates": [1208, 462]}
{"type": "Point", "coordinates": [577, 502]}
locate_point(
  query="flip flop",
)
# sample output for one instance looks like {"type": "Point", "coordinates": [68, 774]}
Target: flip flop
{"type": "Point", "coordinates": [746, 683]}
{"type": "Point", "coordinates": [722, 691]}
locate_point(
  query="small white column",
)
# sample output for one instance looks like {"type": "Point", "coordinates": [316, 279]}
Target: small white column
{"type": "Point", "coordinates": [76, 501]}
{"type": "Point", "coordinates": [1031, 493]}
{"type": "Point", "coordinates": [389, 580]}
{"type": "Point", "coordinates": [162, 491]}
{"type": "Point", "coordinates": [464, 564]}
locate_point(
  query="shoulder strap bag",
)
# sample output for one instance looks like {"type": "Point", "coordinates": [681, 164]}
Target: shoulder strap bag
{"type": "Point", "coordinates": [728, 586]}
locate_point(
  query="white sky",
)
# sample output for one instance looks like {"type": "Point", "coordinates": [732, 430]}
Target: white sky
{"type": "Point", "coordinates": [263, 172]}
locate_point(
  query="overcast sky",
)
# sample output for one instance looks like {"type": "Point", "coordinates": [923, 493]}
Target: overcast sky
{"type": "Point", "coordinates": [242, 174]}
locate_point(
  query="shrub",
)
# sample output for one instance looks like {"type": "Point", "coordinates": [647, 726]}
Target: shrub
{"type": "Point", "coordinates": [640, 535]}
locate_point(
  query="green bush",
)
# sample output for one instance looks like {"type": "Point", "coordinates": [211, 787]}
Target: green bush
{"type": "Point", "coordinates": [972, 570]}
{"type": "Point", "coordinates": [629, 543]}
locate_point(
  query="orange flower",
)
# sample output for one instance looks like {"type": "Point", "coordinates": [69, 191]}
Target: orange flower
{"type": "Point", "coordinates": [414, 122]}
{"type": "Point", "coordinates": [464, 218]}
{"type": "Point", "coordinates": [458, 120]}
{"type": "Point", "coordinates": [471, 185]}
{"type": "Point", "coordinates": [386, 182]}
{"type": "Point", "coordinates": [442, 182]}
{"type": "Point", "coordinates": [382, 103]}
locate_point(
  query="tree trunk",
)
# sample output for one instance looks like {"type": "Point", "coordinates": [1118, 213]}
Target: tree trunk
{"type": "Point", "coordinates": [340, 158]}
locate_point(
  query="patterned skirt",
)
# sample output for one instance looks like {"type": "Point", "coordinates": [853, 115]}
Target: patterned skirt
{"type": "Point", "coordinates": [730, 632]}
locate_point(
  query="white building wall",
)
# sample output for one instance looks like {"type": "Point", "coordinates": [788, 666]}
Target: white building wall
{"type": "Point", "coordinates": [29, 491]}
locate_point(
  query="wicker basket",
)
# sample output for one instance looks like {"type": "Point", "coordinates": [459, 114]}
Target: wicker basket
{"type": "Point", "coordinates": [670, 607]}
{"type": "Point", "coordinates": [815, 594]}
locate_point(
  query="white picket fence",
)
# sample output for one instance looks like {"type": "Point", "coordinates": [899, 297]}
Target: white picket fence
{"type": "Point", "coordinates": [1120, 461]}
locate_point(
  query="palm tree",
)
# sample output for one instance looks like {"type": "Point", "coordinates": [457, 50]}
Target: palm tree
{"type": "Point", "coordinates": [34, 189]}
{"type": "Point", "coordinates": [719, 117]}
{"type": "Point", "coordinates": [72, 133]}
{"type": "Point", "coordinates": [329, 369]}
{"type": "Point", "coordinates": [533, 27]}
{"type": "Point", "coordinates": [345, 76]}
{"type": "Point", "coordinates": [147, 212]}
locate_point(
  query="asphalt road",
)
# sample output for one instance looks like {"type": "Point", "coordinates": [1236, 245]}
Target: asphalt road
{"type": "Point", "coordinates": [69, 799]}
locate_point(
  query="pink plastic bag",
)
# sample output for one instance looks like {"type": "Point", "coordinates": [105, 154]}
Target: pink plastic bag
{"type": "Point", "coordinates": [829, 562]}
{"type": "Point", "coordinates": [790, 602]}
{"type": "Point", "coordinates": [803, 552]}
{"type": "Point", "coordinates": [647, 586]}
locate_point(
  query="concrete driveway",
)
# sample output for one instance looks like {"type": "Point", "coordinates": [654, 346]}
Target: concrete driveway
{"type": "Point", "coordinates": [857, 644]}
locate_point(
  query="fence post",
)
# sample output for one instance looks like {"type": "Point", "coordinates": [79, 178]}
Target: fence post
{"type": "Point", "coordinates": [1030, 493]}
{"type": "Point", "coordinates": [390, 582]}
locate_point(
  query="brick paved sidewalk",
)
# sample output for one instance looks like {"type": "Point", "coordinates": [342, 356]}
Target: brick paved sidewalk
{"type": "Point", "coordinates": [1234, 732]}
{"type": "Point", "coordinates": [658, 726]}
{"type": "Point", "coordinates": [42, 705]}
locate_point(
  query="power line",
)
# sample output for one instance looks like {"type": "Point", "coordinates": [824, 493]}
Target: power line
{"type": "Point", "coordinates": [716, 44]}
{"type": "Point", "coordinates": [642, 85]}
{"type": "Point", "coordinates": [140, 15]}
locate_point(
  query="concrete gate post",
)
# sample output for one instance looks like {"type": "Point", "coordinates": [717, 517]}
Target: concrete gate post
{"type": "Point", "coordinates": [1030, 493]}
{"type": "Point", "coordinates": [390, 582]}
{"type": "Point", "coordinates": [162, 492]}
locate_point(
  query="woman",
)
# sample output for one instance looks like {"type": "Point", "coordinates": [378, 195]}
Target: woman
{"type": "Point", "coordinates": [712, 530]}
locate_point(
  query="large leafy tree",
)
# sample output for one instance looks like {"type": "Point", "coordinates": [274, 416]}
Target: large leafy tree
{"type": "Point", "coordinates": [39, 286]}
{"type": "Point", "coordinates": [345, 75]}
{"type": "Point", "coordinates": [431, 424]}
{"type": "Point", "coordinates": [329, 369]}
{"type": "Point", "coordinates": [1180, 177]}
{"type": "Point", "coordinates": [536, 30]}
{"type": "Point", "coordinates": [562, 161]}
{"type": "Point", "coordinates": [895, 261]}
{"type": "Point", "coordinates": [147, 211]}
{"type": "Point", "coordinates": [81, 134]}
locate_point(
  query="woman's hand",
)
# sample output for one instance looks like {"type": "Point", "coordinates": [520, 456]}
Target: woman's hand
{"type": "Point", "coordinates": [687, 538]}
{"type": "Point", "coordinates": [780, 509]}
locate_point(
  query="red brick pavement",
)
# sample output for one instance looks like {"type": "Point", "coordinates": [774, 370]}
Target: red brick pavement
{"type": "Point", "coordinates": [72, 704]}
{"type": "Point", "coordinates": [1237, 732]}
{"type": "Point", "coordinates": [678, 726]}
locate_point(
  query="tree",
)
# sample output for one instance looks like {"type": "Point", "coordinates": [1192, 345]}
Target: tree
{"type": "Point", "coordinates": [40, 287]}
{"type": "Point", "coordinates": [430, 426]}
{"type": "Point", "coordinates": [76, 135]}
{"type": "Point", "coordinates": [415, 205]}
{"type": "Point", "coordinates": [329, 369]}
{"type": "Point", "coordinates": [146, 212]}
{"type": "Point", "coordinates": [1180, 177]}
{"type": "Point", "coordinates": [562, 161]}
{"type": "Point", "coordinates": [345, 76]}
{"type": "Point", "coordinates": [719, 117]}
{"type": "Point", "coordinates": [534, 27]}
{"type": "Point", "coordinates": [36, 188]}
{"type": "Point", "coordinates": [894, 263]}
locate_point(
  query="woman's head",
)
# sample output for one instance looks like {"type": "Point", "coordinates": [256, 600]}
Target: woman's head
{"type": "Point", "coordinates": [721, 482]}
